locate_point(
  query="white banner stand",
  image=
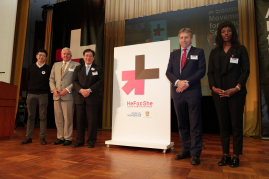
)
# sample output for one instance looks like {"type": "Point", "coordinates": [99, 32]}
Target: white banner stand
{"type": "Point", "coordinates": [141, 97]}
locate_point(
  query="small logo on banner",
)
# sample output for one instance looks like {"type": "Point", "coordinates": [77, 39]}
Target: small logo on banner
{"type": "Point", "coordinates": [135, 78]}
{"type": "Point", "coordinates": [147, 113]}
{"type": "Point", "coordinates": [134, 114]}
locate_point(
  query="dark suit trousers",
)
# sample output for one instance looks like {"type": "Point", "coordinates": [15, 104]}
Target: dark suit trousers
{"type": "Point", "coordinates": [230, 114]}
{"type": "Point", "coordinates": [88, 112]}
{"type": "Point", "coordinates": [189, 119]}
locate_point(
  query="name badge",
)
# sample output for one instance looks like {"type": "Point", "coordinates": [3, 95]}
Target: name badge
{"type": "Point", "coordinates": [94, 73]}
{"type": "Point", "coordinates": [234, 60]}
{"type": "Point", "coordinates": [71, 69]}
{"type": "Point", "coordinates": [194, 57]}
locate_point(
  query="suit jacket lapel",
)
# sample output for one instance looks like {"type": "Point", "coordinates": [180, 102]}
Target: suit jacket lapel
{"type": "Point", "coordinates": [178, 57]}
{"type": "Point", "coordinates": [233, 52]}
{"type": "Point", "coordinates": [83, 71]}
{"type": "Point", "coordinates": [90, 71]}
{"type": "Point", "coordinates": [227, 65]}
{"type": "Point", "coordinates": [70, 64]}
{"type": "Point", "coordinates": [217, 58]}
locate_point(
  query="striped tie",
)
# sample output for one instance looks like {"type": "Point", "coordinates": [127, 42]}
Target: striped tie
{"type": "Point", "coordinates": [63, 68]}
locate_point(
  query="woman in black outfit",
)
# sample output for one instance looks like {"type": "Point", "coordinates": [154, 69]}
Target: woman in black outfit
{"type": "Point", "coordinates": [228, 71]}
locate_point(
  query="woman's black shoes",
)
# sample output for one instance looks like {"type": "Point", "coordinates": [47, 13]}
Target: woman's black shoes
{"type": "Point", "coordinates": [235, 162]}
{"type": "Point", "coordinates": [225, 160]}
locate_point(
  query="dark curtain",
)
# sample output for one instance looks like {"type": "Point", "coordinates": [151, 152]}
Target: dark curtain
{"type": "Point", "coordinates": [261, 9]}
{"type": "Point", "coordinates": [87, 15]}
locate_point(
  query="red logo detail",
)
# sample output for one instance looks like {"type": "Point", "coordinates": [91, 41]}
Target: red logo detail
{"type": "Point", "coordinates": [137, 77]}
{"type": "Point", "coordinates": [132, 83]}
{"type": "Point", "coordinates": [157, 32]}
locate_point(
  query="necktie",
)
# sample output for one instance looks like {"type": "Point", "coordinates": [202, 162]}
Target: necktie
{"type": "Point", "coordinates": [63, 68]}
{"type": "Point", "coordinates": [183, 59]}
{"type": "Point", "coordinates": [87, 70]}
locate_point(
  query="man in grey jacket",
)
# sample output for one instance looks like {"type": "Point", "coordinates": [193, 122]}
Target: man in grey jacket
{"type": "Point", "coordinates": [63, 95]}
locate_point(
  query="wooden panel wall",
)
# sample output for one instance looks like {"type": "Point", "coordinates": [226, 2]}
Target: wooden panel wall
{"type": "Point", "coordinates": [7, 109]}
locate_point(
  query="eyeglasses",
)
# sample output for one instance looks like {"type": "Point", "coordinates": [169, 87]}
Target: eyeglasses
{"type": "Point", "coordinates": [41, 55]}
{"type": "Point", "coordinates": [88, 56]}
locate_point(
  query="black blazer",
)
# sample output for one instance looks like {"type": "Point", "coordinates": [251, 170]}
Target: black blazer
{"type": "Point", "coordinates": [236, 73]}
{"type": "Point", "coordinates": [94, 82]}
{"type": "Point", "coordinates": [193, 71]}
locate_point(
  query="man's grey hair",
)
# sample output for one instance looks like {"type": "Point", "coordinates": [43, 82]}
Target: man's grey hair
{"type": "Point", "coordinates": [185, 30]}
{"type": "Point", "coordinates": [66, 48]}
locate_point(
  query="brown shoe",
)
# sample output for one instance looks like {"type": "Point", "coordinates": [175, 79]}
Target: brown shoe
{"type": "Point", "coordinates": [26, 141]}
{"type": "Point", "coordinates": [43, 141]}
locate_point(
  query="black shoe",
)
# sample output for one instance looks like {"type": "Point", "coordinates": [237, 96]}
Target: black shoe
{"type": "Point", "coordinates": [91, 145]}
{"type": "Point", "coordinates": [234, 162]}
{"type": "Point", "coordinates": [182, 155]}
{"type": "Point", "coordinates": [58, 142]}
{"type": "Point", "coordinates": [77, 145]}
{"type": "Point", "coordinates": [225, 160]}
{"type": "Point", "coordinates": [43, 141]}
{"type": "Point", "coordinates": [67, 142]}
{"type": "Point", "coordinates": [195, 160]}
{"type": "Point", "coordinates": [26, 141]}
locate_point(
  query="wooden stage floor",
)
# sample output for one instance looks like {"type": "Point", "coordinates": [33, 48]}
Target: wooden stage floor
{"type": "Point", "coordinates": [50, 161]}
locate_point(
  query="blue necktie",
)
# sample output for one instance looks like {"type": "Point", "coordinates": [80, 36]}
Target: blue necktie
{"type": "Point", "coordinates": [87, 70]}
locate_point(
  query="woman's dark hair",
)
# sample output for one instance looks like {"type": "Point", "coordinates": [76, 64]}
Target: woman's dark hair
{"type": "Point", "coordinates": [234, 40]}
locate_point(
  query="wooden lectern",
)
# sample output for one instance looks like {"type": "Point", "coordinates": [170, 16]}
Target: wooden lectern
{"type": "Point", "coordinates": [8, 94]}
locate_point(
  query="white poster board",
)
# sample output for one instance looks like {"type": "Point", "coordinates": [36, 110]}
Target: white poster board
{"type": "Point", "coordinates": [141, 96]}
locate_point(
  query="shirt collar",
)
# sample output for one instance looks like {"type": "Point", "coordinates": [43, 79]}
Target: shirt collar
{"type": "Point", "coordinates": [187, 49]}
{"type": "Point", "coordinates": [66, 62]}
{"type": "Point", "coordinates": [88, 65]}
{"type": "Point", "coordinates": [39, 66]}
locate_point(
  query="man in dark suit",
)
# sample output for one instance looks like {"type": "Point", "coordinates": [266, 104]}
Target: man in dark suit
{"type": "Point", "coordinates": [185, 69]}
{"type": "Point", "coordinates": [87, 81]}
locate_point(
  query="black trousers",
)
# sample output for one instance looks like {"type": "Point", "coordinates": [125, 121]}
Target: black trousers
{"type": "Point", "coordinates": [230, 115]}
{"type": "Point", "coordinates": [88, 112]}
{"type": "Point", "coordinates": [189, 120]}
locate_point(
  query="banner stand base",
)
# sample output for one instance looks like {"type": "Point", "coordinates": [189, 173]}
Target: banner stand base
{"type": "Point", "coordinates": [164, 147]}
